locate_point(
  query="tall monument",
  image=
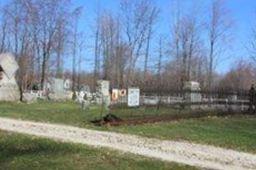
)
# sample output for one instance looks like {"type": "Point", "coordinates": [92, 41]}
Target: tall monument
{"type": "Point", "coordinates": [9, 90]}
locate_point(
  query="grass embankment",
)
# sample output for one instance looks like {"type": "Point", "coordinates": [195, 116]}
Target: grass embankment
{"type": "Point", "coordinates": [236, 132]}
{"type": "Point", "coordinates": [25, 152]}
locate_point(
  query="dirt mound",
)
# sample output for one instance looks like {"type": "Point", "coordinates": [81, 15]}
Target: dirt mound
{"type": "Point", "coordinates": [108, 119]}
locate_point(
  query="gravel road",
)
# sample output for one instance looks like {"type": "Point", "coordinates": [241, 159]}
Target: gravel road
{"type": "Point", "coordinates": [203, 156]}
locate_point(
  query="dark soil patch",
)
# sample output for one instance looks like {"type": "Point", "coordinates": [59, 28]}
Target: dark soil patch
{"type": "Point", "coordinates": [113, 120]}
{"type": "Point", "coordinates": [108, 119]}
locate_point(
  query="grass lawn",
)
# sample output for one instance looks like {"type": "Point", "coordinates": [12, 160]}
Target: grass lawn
{"type": "Point", "coordinates": [26, 152]}
{"type": "Point", "coordinates": [237, 132]}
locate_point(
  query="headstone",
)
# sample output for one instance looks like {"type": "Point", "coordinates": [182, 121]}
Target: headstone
{"type": "Point", "coordinates": [103, 92]}
{"type": "Point", "coordinates": [103, 87]}
{"type": "Point", "coordinates": [85, 104]}
{"type": "Point", "coordinates": [233, 97]}
{"type": "Point", "coordinates": [67, 84]}
{"type": "Point", "coordinates": [192, 92]}
{"type": "Point", "coordinates": [85, 88]}
{"type": "Point", "coordinates": [57, 85]}
{"type": "Point", "coordinates": [8, 64]}
{"type": "Point", "coordinates": [29, 97]}
{"type": "Point", "coordinates": [80, 97]}
{"type": "Point", "coordinates": [9, 90]}
{"type": "Point", "coordinates": [59, 89]}
{"type": "Point", "coordinates": [133, 97]}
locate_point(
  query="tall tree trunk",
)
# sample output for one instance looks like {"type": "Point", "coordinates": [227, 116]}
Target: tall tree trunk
{"type": "Point", "coordinates": [43, 72]}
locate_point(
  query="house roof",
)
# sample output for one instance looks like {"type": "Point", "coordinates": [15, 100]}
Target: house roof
{"type": "Point", "coordinates": [8, 64]}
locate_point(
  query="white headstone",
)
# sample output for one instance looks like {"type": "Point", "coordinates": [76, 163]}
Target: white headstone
{"type": "Point", "coordinates": [192, 92]}
{"type": "Point", "coordinates": [8, 64]}
{"type": "Point", "coordinates": [103, 87]}
{"type": "Point", "coordinates": [103, 91]}
{"type": "Point", "coordinates": [59, 90]}
{"type": "Point", "coordinates": [133, 97]}
{"type": "Point", "coordinates": [9, 90]}
{"type": "Point", "coordinates": [67, 84]}
{"type": "Point", "coordinates": [58, 85]}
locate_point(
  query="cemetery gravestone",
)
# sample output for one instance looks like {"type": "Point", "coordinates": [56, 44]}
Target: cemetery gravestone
{"type": "Point", "coordinates": [9, 90]}
{"type": "Point", "coordinates": [233, 99]}
{"type": "Point", "coordinates": [8, 64]}
{"type": "Point", "coordinates": [103, 92]}
{"type": "Point", "coordinates": [58, 86]}
{"type": "Point", "coordinates": [29, 98]}
{"type": "Point", "coordinates": [192, 92]}
{"type": "Point", "coordinates": [67, 84]}
{"type": "Point", "coordinates": [103, 87]}
{"type": "Point", "coordinates": [59, 89]}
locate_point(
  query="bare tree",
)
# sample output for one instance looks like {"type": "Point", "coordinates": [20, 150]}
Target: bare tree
{"type": "Point", "coordinates": [218, 29]}
{"type": "Point", "coordinates": [251, 47]}
{"type": "Point", "coordinates": [60, 39]}
{"type": "Point", "coordinates": [81, 46]}
{"type": "Point", "coordinates": [186, 41]}
{"type": "Point", "coordinates": [97, 48]}
{"type": "Point", "coordinates": [121, 54]}
{"type": "Point", "coordinates": [48, 16]}
{"type": "Point", "coordinates": [135, 17]}
{"type": "Point", "coordinates": [153, 13]}
{"type": "Point", "coordinates": [109, 33]}
{"type": "Point", "coordinates": [3, 32]}
{"type": "Point", "coordinates": [240, 77]}
{"type": "Point", "coordinates": [159, 71]}
{"type": "Point", "coordinates": [76, 14]}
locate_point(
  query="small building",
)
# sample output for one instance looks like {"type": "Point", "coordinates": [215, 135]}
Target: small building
{"type": "Point", "coordinates": [9, 90]}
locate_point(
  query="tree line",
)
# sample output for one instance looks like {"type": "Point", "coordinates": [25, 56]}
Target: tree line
{"type": "Point", "coordinates": [128, 47]}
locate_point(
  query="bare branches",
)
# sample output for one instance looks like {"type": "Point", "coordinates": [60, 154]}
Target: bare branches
{"type": "Point", "coordinates": [217, 28]}
{"type": "Point", "coordinates": [44, 33]}
{"type": "Point", "coordinates": [138, 20]}
{"type": "Point", "coordinates": [186, 42]}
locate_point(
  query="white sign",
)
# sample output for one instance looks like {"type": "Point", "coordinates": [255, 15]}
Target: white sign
{"type": "Point", "coordinates": [133, 97]}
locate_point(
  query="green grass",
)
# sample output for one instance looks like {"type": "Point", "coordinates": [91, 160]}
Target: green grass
{"type": "Point", "coordinates": [64, 113]}
{"type": "Point", "coordinates": [71, 113]}
{"type": "Point", "coordinates": [236, 132]}
{"type": "Point", "coordinates": [125, 112]}
{"type": "Point", "coordinates": [26, 152]}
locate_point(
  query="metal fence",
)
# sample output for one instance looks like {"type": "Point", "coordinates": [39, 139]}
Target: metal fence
{"type": "Point", "coordinates": [163, 105]}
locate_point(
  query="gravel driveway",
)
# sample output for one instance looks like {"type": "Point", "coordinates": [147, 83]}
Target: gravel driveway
{"type": "Point", "coordinates": [182, 152]}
